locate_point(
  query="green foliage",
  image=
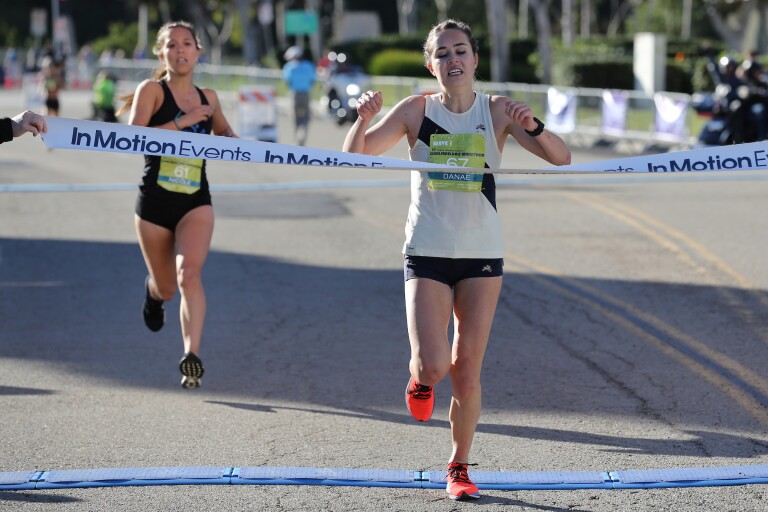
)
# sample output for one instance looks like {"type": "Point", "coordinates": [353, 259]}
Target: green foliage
{"type": "Point", "coordinates": [379, 56]}
{"type": "Point", "coordinates": [483, 71]}
{"type": "Point", "coordinates": [600, 75]}
{"type": "Point", "coordinates": [120, 35]}
{"type": "Point", "coordinates": [521, 65]}
{"type": "Point", "coordinates": [619, 75]}
{"type": "Point", "coordinates": [646, 17]}
{"type": "Point", "coordinates": [9, 35]}
{"type": "Point", "coordinates": [679, 77]}
{"type": "Point", "coordinates": [472, 12]}
{"type": "Point", "coordinates": [398, 63]}
{"type": "Point", "coordinates": [605, 47]}
{"type": "Point", "coordinates": [665, 17]}
{"type": "Point", "coordinates": [694, 48]}
{"type": "Point", "coordinates": [598, 61]}
{"type": "Point", "coordinates": [701, 79]}
{"type": "Point", "coordinates": [603, 62]}
{"type": "Point", "coordinates": [361, 52]}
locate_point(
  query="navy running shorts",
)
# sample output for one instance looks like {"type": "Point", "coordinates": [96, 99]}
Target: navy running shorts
{"type": "Point", "coordinates": [449, 270]}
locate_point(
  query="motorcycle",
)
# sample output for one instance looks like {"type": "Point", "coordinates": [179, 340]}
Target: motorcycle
{"type": "Point", "coordinates": [343, 85]}
{"type": "Point", "coordinates": [730, 121]}
{"type": "Point", "coordinates": [718, 129]}
{"type": "Point", "coordinates": [735, 113]}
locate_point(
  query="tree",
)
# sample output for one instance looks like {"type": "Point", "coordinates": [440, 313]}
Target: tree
{"type": "Point", "coordinates": [497, 25]}
{"type": "Point", "coordinates": [442, 8]}
{"type": "Point", "coordinates": [249, 32]}
{"type": "Point", "coordinates": [743, 29]}
{"type": "Point", "coordinates": [566, 22]}
{"type": "Point", "coordinates": [619, 15]}
{"type": "Point", "coordinates": [406, 16]}
{"type": "Point", "coordinates": [586, 18]}
{"type": "Point", "coordinates": [543, 36]}
{"type": "Point", "coordinates": [217, 18]}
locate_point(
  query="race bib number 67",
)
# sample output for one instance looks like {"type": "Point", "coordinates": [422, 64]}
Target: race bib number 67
{"type": "Point", "coordinates": [459, 150]}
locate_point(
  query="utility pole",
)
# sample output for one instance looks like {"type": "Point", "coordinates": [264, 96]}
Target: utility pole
{"type": "Point", "coordinates": [686, 28]}
{"type": "Point", "coordinates": [141, 45]}
{"type": "Point", "coordinates": [566, 21]}
{"type": "Point", "coordinates": [586, 18]}
{"type": "Point", "coordinates": [497, 24]}
{"type": "Point", "coordinates": [54, 19]}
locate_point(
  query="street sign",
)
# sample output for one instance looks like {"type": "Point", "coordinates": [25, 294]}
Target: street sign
{"type": "Point", "coordinates": [300, 22]}
{"type": "Point", "coordinates": [38, 25]}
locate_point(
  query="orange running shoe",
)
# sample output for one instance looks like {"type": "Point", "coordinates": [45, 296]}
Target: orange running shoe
{"type": "Point", "coordinates": [460, 487]}
{"type": "Point", "coordinates": [420, 400]}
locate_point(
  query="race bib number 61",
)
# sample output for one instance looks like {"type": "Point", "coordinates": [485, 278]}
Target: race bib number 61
{"type": "Point", "coordinates": [180, 175]}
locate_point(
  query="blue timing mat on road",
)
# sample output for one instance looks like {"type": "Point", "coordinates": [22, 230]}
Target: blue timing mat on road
{"type": "Point", "coordinates": [322, 476]}
{"type": "Point", "coordinates": [528, 481]}
{"type": "Point", "coordinates": [132, 476]}
{"type": "Point", "coordinates": [693, 477]}
{"type": "Point", "coordinates": [217, 475]}
{"type": "Point", "coordinates": [18, 480]}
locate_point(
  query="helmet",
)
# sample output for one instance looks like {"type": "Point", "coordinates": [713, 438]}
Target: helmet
{"type": "Point", "coordinates": [752, 71]}
{"type": "Point", "coordinates": [752, 66]}
{"type": "Point", "coordinates": [727, 62]}
{"type": "Point", "coordinates": [294, 52]}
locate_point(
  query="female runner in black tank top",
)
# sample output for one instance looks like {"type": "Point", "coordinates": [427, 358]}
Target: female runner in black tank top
{"type": "Point", "coordinates": [174, 216]}
{"type": "Point", "coordinates": [164, 196]}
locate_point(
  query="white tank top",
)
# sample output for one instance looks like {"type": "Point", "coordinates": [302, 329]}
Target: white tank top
{"type": "Point", "coordinates": [453, 215]}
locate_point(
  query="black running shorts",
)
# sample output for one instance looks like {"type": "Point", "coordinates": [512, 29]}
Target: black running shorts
{"type": "Point", "coordinates": [164, 213]}
{"type": "Point", "coordinates": [449, 270]}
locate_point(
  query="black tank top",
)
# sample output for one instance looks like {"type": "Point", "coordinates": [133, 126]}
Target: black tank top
{"type": "Point", "coordinates": [176, 179]}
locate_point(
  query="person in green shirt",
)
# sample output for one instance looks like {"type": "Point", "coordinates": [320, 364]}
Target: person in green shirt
{"type": "Point", "coordinates": [104, 98]}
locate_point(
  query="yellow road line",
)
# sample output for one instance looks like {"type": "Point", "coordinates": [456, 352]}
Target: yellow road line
{"type": "Point", "coordinates": [665, 236]}
{"type": "Point", "coordinates": [745, 400]}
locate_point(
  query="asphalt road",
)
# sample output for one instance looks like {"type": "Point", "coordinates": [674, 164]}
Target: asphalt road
{"type": "Point", "coordinates": [630, 334]}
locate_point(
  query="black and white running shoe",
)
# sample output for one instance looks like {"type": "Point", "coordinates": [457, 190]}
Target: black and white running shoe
{"type": "Point", "coordinates": [191, 367]}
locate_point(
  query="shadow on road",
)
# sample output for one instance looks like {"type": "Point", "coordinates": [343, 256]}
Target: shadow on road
{"type": "Point", "coordinates": [35, 497]}
{"type": "Point", "coordinates": [336, 338]}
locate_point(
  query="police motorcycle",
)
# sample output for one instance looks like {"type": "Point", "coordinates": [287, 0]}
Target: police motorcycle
{"type": "Point", "coordinates": [718, 129]}
{"type": "Point", "coordinates": [343, 85]}
{"type": "Point", "coordinates": [736, 110]}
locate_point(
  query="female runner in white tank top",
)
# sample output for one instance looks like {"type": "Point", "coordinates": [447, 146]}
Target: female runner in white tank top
{"type": "Point", "coordinates": [453, 249]}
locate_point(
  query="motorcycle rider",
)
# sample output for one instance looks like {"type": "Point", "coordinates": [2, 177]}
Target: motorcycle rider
{"type": "Point", "coordinates": [727, 78]}
{"type": "Point", "coordinates": [731, 120]}
{"type": "Point", "coordinates": [344, 82]}
{"type": "Point", "coordinates": [754, 96]}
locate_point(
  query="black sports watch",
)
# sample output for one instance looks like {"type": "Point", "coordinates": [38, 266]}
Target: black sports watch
{"type": "Point", "coordinates": [536, 131]}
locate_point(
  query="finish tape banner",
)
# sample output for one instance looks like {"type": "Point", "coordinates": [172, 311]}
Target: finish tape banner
{"type": "Point", "coordinates": [79, 134]}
